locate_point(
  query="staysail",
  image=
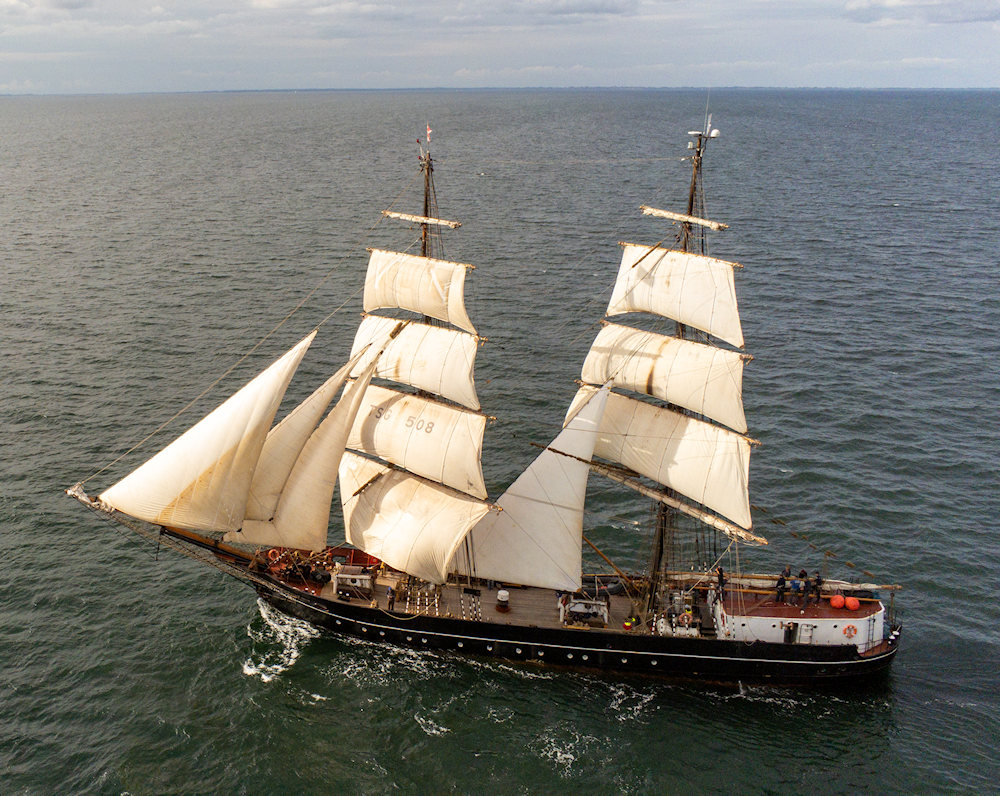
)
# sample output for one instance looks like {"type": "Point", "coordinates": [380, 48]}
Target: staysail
{"type": "Point", "coordinates": [536, 538]}
{"type": "Point", "coordinates": [201, 481]}
{"type": "Point", "coordinates": [300, 515]}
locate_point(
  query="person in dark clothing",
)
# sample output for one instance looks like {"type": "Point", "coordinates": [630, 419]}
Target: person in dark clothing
{"type": "Point", "coordinates": [781, 588]}
{"type": "Point", "coordinates": [390, 593]}
{"type": "Point", "coordinates": [722, 581]}
{"type": "Point", "coordinates": [804, 580]}
{"type": "Point", "coordinates": [817, 586]}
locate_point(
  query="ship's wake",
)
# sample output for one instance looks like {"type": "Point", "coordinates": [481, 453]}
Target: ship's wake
{"type": "Point", "coordinates": [277, 643]}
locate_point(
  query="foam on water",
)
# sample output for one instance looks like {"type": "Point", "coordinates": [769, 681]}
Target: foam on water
{"type": "Point", "coordinates": [283, 638]}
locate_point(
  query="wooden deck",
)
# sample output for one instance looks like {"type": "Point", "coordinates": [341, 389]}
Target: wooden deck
{"type": "Point", "coordinates": [535, 607]}
{"type": "Point", "coordinates": [754, 603]}
{"type": "Point", "coordinates": [529, 606]}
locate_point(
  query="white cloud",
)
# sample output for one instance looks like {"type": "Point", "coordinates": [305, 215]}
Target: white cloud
{"type": "Point", "coordinates": [132, 45]}
{"type": "Point", "coordinates": [933, 11]}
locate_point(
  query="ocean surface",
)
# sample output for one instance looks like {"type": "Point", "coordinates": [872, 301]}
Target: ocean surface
{"type": "Point", "coordinates": [149, 242]}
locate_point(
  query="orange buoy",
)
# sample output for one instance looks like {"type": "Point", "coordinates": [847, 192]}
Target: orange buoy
{"type": "Point", "coordinates": [273, 554]}
{"type": "Point", "coordinates": [852, 603]}
{"type": "Point", "coordinates": [837, 601]}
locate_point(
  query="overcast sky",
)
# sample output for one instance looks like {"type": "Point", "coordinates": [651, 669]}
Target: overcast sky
{"type": "Point", "coordinates": [88, 46]}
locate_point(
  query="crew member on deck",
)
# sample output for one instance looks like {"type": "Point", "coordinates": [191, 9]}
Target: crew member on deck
{"type": "Point", "coordinates": [781, 588]}
{"type": "Point", "coordinates": [817, 586]}
{"type": "Point", "coordinates": [802, 582]}
{"type": "Point", "coordinates": [390, 593]}
{"type": "Point", "coordinates": [722, 582]}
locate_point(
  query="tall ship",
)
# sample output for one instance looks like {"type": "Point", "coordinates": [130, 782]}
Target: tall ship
{"type": "Point", "coordinates": [429, 561]}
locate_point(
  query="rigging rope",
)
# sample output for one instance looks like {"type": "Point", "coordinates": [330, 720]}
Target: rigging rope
{"type": "Point", "coordinates": [288, 316]}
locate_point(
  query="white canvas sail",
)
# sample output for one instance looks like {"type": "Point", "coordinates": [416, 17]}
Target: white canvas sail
{"type": "Point", "coordinates": [284, 443]}
{"type": "Point", "coordinates": [535, 540]}
{"type": "Point", "coordinates": [428, 438]}
{"type": "Point", "coordinates": [431, 358]}
{"type": "Point", "coordinates": [705, 462]}
{"type": "Point", "coordinates": [302, 515]}
{"type": "Point", "coordinates": [419, 284]}
{"type": "Point", "coordinates": [201, 481]}
{"type": "Point", "coordinates": [410, 524]}
{"type": "Point", "coordinates": [700, 377]}
{"type": "Point", "coordinates": [690, 288]}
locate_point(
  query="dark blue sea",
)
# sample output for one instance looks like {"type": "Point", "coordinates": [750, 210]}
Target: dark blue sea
{"type": "Point", "coordinates": [148, 242]}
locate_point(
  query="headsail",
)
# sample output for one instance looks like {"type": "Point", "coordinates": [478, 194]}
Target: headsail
{"type": "Point", "coordinates": [284, 444]}
{"type": "Point", "coordinates": [201, 481]}
{"type": "Point", "coordinates": [301, 512]}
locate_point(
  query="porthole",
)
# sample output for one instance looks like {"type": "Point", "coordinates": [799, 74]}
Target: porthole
{"type": "Point", "coordinates": [460, 644]}
{"type": "Point", "coordinates": [652, 663]}
{"type": "Point", "coordinates": [540, 653]}
{"type": "Point", "coordinates": [423, 641]}
{"type": "Point", "coordinates": [517, 650]}
{"type": "Point", "coordinates": [338, 621]}
{"type": "Point", "coordinates": [489, 648]}
{"type": "Point", "coordinates": [584, 657]}
{"type": "Point", "coordinates": [569, 656]}
{"type": "Point", "coordinates": [624, 660]}
{"type": "Point", "coordinates": [409, 638]}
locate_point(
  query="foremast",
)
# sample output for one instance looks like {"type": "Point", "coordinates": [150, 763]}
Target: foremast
{"type": "Point", "coordinates": [411, 482]}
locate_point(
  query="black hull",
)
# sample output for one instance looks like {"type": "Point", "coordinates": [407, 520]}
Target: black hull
{"type": "Point", "coordinates": [700, 659]}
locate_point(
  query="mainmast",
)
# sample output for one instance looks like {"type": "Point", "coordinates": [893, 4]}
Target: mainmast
{"type": "Point", "coordinates": [666, 516]}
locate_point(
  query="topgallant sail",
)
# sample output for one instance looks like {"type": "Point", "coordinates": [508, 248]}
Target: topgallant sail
{"type": "Point", "coordinates": [430, 562]}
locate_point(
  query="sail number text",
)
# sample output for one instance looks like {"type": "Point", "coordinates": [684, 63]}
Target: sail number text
{"type": "Point", "coordinates": [416, 423]}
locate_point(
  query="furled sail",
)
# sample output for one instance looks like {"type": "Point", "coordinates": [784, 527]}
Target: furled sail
{"type": "Point", "coordinates": [705, 462]}
{"type": "Point", "coordinates": [536, 539]}
{"type": "Point", "coordinates": [201, 481]}
{"type": "Point", "coordinates": [301, 516]}
{"type": "Point", "coordinates": [419, 284]}
{"type": "Point", "coordinates": [700, 377]}
{"type": "Point", "coordinates": [431, 358]}
{"type": "Point", "coordinates": [408, 522]}
{"type": "Point", "coordinates": [426, 437]}
{"type": "Point", "coordinates": [690, 288]}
